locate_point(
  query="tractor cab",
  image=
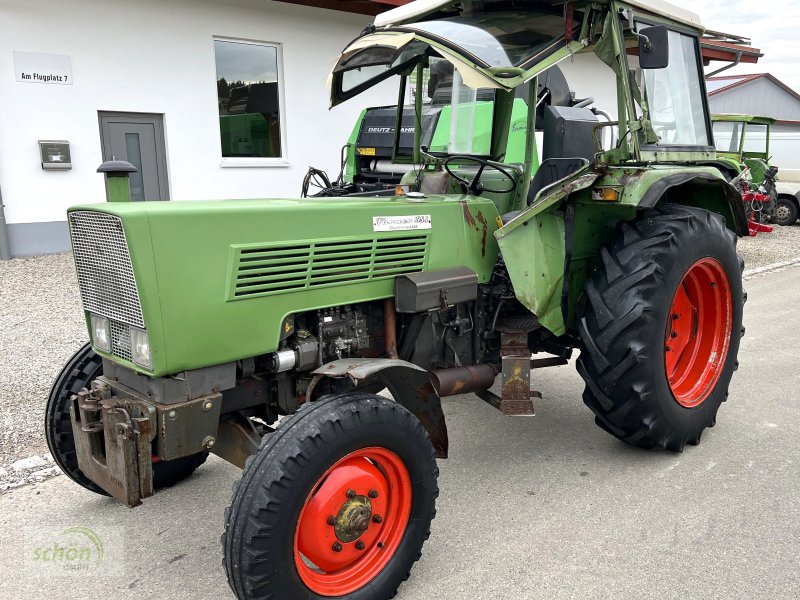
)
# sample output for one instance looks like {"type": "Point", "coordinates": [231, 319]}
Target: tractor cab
{"type": "Point", "coordinates": [486, 103]}
{"type": "Point", "coordinates": [746, 140]}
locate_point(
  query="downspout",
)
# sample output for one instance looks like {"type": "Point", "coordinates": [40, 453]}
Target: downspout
{"type": "Point", "coordinates": [730, 66]}
{"type": "Point", "coordinates": [5, 245]}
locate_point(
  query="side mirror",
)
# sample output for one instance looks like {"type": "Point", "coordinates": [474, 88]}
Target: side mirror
{"type": "Point", "coordinates": [654, 47]}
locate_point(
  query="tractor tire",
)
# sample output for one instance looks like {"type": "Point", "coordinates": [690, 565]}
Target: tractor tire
{"type": "Point", "coordinates": [662, 327]}
{"type": "Point", "coordinates": [338, 502]}
{"type": "Point", "coordinates": [786, 212]}
{"type": "Point", "coordinates": [85, 366]}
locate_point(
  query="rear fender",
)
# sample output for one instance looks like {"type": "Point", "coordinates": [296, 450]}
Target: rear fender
{"type": "Point", "coordinates": [409, 385]}
{"type": "Point", "coordinates": [701, 190]}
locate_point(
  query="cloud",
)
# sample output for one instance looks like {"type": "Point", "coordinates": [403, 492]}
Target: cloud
{"type": "Point", "coordinates": [772, 27]}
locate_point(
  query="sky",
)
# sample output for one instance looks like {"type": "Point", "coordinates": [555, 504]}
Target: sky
{"type": "Point", "coordinates": [771, 24]}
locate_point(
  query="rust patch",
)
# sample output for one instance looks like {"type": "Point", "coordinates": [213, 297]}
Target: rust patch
{"type": "Point", "coordinates": [485, 225]}
{"type": "Point", "coordinates": [631, 177]}
{"type": "Point", "coordinates": [467, 215]}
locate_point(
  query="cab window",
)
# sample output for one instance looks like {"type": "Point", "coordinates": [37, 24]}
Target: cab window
{"type": "Point", "coordinates": [675, 95]}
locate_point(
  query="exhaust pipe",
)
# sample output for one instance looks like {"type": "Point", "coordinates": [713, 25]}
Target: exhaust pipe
{"type": "Point", "coordinates": [463, 380]}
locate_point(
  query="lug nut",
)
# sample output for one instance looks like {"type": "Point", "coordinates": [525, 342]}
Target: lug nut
{"type": "Point", "coordinates": [674, 334]}
{"type": "Point", "coordinates": [373, 493]}
{"type": "Point", "coordinates": [337, 547]}
{"type": "Point", "coordinates": [331, 521]}
{"type": "Point", "coordinates": [360, 545]}
{"type": "Point", "coordinates": [377, 519]}
{"type": "Point", "coordinates": [351, 493]}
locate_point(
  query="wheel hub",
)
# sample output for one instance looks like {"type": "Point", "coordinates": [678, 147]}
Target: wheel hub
{"type": "Point", "coordinates": [698, 332]}
{"type": "Point", "coordinates": [782, 212]}
{"type": "Point", "coordinates": [353, 519]}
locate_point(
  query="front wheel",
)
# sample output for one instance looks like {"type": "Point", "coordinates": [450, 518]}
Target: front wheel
{"type": "Point", "coordinates": [337, 503]}
{"type": "Point", "coordinates": [662, 327]}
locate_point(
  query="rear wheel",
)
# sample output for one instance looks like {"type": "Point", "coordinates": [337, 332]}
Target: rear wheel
{"type": "Point", "coordinates": [786, 212]}
{"type": "Point", "coordinates": [84, 367]}
{"type": "Point", "coordinates": [662, 327]}
{"type": "Point", "coordinates": [337, 503]}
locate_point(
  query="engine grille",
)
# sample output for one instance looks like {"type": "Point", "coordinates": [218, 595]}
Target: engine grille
{"type": "Point", "coordinates": [120, 340]}
{"type": "Point", "coordinates": [276, 269]}
{"type": "Point", "coordinates": [105, 273]}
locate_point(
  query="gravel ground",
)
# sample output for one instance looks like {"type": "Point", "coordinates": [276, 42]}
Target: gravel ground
{"type": "Point", "coordinates": [769, 248]}
{"type": "Point", "coordinates": [41, 326]}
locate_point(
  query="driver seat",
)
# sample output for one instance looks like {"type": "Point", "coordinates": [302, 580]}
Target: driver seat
{"type": "Point", "coordinates": [549, 172]}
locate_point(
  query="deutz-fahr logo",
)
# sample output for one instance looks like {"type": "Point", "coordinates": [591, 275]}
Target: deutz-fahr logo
{"type": "Point", "coordinates": [389, 130]}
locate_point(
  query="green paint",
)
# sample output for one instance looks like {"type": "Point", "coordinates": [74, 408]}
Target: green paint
{"type": "Point", "coordinates": [118, 188]}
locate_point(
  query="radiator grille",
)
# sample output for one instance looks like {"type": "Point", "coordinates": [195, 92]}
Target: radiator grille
{"type": "Point", "coordinates": [276, 269]}
{"type": "Point", "coordinates": [120, 340]}
{"type": "Point", "coordinates": [105, 272]}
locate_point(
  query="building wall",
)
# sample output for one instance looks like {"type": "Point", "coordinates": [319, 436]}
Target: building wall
{"type": "Point", "coordinates": [151, 56]}
{"type": "Point", "coordinates": [763, 97]}
{"type": "Point", "coordinates": [760, 97]}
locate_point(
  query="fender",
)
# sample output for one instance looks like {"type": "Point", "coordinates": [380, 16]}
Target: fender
{"type": "Point", "coordinates": [408, 383]}
{"type": "Point", "coordinates": [702, 182]}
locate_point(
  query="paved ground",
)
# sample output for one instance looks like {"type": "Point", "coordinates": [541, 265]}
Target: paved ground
{"type": "Point", "coordinates": [545, 507]}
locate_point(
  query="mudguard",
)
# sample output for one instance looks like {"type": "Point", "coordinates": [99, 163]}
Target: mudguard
{"type": "Point", "coordinates": [408, 383]}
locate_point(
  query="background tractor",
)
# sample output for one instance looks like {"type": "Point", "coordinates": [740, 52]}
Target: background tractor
{"type": "Point", "coordinates": [742, 143]}
{"type": "Point", "coordinates": [263, 330]}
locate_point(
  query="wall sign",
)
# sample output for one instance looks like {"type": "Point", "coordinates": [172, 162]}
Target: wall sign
{"type": "Point", "coordinates": [33, 67]}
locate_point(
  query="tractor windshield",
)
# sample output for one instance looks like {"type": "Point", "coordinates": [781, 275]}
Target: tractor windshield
{"type": "Point", "coordinates": [756, 139]}
{"type": "Point", "coordinates": [468, 111]}
{"type": "Point", "coordinates": [499, 38]}
{"type": "Point", "coordinates": [728, 135]}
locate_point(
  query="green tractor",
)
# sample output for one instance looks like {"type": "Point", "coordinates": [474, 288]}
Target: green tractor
{"type": "Point", "coordinates": [269, 332]}
{"type": "Point", "coordinates": [742, 143]}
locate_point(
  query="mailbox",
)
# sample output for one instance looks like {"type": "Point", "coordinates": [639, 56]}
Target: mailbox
{"type": "Point", "coordinates": [55, 155]}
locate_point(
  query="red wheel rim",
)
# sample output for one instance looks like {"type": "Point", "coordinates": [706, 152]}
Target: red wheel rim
{"type": "Point", "coordinates": [352, 522]}
{"type": "Point", "coordinates": [698, 332]}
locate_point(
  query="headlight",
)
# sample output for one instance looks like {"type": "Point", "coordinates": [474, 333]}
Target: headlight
{"type": "Point", "coordinates": [140, 348]}
{"type": "Point", "coordinates": [101, 335]}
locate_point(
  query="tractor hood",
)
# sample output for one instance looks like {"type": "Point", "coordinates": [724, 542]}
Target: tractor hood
{"type": "Point", "coordinates": [212, 282]}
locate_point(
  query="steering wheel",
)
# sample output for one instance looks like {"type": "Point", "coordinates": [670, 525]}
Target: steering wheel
{"type": "Point", "coordinates": [475, 187]}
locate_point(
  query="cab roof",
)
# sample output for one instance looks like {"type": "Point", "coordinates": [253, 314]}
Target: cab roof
{"type": "Point", "coordinates": [743, 118]}
{"type": "Point", "coordinates": [413, 11]}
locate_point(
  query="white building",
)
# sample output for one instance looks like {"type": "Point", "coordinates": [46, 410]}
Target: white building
{"type": "Point", "coordinates": [139, 81]}
{"type": "Point", "coordinates": [210, 99]}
